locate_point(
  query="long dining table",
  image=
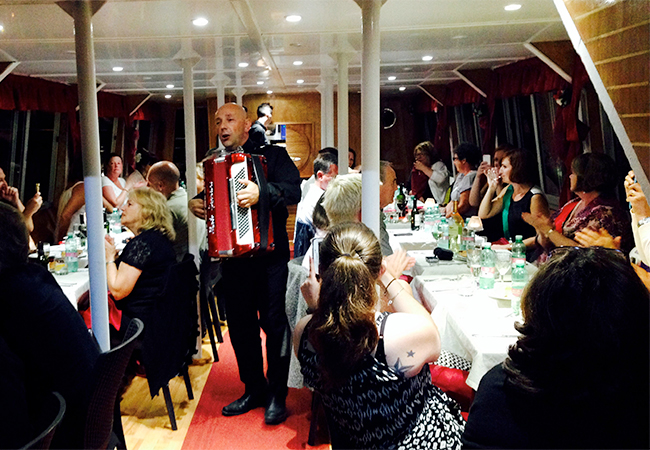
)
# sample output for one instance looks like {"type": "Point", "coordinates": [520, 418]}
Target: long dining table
{"type": "Point", "coordinates": [476, 324]}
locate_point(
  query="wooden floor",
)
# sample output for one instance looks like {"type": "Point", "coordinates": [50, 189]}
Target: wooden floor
{"type": "Point", "coordinates": [145, 420]}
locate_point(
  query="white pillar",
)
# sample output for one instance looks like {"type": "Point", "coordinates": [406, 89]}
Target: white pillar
{"type": "Point", "coordinates": [370, 115]}
{"type": "Point", "coordinates": [82, 12]}
{"type": "Point", "coordinates": [239, 94]}
{"type": "Point", "coordinates": [187, 59]}
{"type": "Point", "coordinates": [326, 89]}
{"type": "Point", "coordinates": [343, 57]}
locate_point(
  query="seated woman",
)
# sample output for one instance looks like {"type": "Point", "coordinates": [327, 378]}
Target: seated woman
{"type": "Point", "coordinates": [371, 368]}
{"type": "Point", "coordinates": [557, 388]}
{"type": "Point", "coordinates": [114, 188]}
{"type": "Point", "coordinates": [593, 178]}
{"type": "Point", "coordinates": [466, 159]}
{"type": "Point", "coordinates": [492, 228]}
{"type": "Point", "coordinates": [136, 278]}
{"type": "Point", "coordinates": [44, 344]}
{"type": "Point", "coordinates": [430, 176]}
{"type": "Point", "coordinates": [519, 196]}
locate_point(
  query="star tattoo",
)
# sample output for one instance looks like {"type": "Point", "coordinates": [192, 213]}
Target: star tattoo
{"type": "Point", "coordinates": [401, 368]}
{"type": "Point", "coordinates": [410, 354]}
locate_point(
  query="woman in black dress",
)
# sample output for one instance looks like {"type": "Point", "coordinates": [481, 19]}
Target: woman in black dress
{"type": "Point", "coordinates": [137, 276]}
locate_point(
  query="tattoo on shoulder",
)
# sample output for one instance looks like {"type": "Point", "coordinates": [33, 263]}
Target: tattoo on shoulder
{"type": "Point", "coordinates": [400, 368]}
{"type": "Point", "coordinates": [410, 354]}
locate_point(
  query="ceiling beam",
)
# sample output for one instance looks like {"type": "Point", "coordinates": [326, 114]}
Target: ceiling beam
{"type": "Point", "coordinates": [473, 80]}
{"type": "Point", "coordinates": [558, 55]}
{"type": "Point", "coordinates": [436, 92]}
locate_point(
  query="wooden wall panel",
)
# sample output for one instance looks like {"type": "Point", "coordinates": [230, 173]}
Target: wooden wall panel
{"type": "Point", "coordinates": [628, 41]}
{"type": "Point", "coordinates": [594, 20]}
{"type": "Point", "coordinates": [638, 128]}
{"type": "Point", "coordinates": [625, 71]}
{"type": "Point", "coordinates": [633, 100]}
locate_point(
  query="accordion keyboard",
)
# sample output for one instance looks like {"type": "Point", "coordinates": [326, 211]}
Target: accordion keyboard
{"type": "Point", "coordinates": [243, 218]}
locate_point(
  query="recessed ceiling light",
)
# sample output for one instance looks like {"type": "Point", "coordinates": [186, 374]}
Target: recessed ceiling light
{"type": "Point", "coordinates": [427, 58]}
{"type": "Point", "coordinates": [118, 69]}
{"type": "Point", "coordinates": [392, 78]}
{"type": "Point", "coordinates": [243, 64]}
{"type": "Point", "coordinates": [265, 73]}
{"type": "Point", "coordinates": [146, 78]}
{"type": "Point", "coordinates": [300, 81]}
{"type": "Point", "coordinates": [200, 21]}
{"type": "Point", "coordinates": [269, 92]}
{"type": "Point", "coordinates": [170, 86]}
{"type": "Point", "coordinates": [293, 18]}
{"type": "Point", "coordinates": [260, 82]}
{"type": "Point", "coordinates": [460, 36]}
{"type": "Point", "coordinates": [512, 7]}
{"type": "Point", "coordinates": [168, 96]}
{"type": "Point", "coordinates": [297, 63]}
{"type": "Point", "coordinates": [2, 28]}
{"type": "Point", "coordinates": [406, 69]}
{"type": "Point", "coordinates": [402, 88]}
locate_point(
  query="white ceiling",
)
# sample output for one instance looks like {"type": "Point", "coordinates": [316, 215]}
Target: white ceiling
{"type": "Point", "coordinates": [143, 37]}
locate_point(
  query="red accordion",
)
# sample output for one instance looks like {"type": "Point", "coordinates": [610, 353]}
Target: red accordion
{"type": "Point", "coordinates": [234, 231]}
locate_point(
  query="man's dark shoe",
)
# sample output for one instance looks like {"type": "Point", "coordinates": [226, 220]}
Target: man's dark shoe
{"type": "Point", "coordinates": [276, 411]}
{"type": "Point", "coordinates": [244, 404]}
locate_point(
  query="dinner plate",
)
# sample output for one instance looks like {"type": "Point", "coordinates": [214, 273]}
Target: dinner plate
{"type": "Point", "coordinates": [500, 294]}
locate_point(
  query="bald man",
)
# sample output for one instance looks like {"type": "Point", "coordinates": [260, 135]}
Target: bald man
{"type": "Point", "coordinates": [254, 288]}
{"type": "Point", "coordinates": [164, 177]}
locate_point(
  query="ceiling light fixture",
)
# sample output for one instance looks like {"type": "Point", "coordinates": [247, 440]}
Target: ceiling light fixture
{"type": "Point", "coordinates": [402, 88]}
{"type": "Point", "coordinates": [460, 36]}
{"type": "Point", "coordinates": [427, 58]}
{"type": "Point", "coordinates": [269, 92]}
{"type": "Point", "coordinates": [200, 22]}
{"type": "Point", "coordinates": [168, 96]}
{"type": "Point", "coordinates": [392, 78]}
{"type": "Point", "coordinates": [170, 86]}
{"type": "Point", "coordinates": [118, 69]}
{"type": "Point", "coordinates": [512, 7]}
{"type": "Point", "coordinates": [297, 63]}
{"type": "Point", "coordinates": [300, 81]}
{"type": "Point", "coordinates": [293, 18]}
{"type": "Point", "coordinates": [2, 28]}
{"type": "Point", "coordinates": [260, 83]}
{"type": "Point", "coordinates": [243, 64]}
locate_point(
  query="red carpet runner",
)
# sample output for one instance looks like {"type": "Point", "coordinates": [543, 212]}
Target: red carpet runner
{"type": "Point", "coordinates": [209, 429]}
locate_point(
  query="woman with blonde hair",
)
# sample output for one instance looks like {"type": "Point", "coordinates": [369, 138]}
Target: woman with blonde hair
{"type": "Point", "coordinates": [136, 277]}
{"type": "Point", "coordinates": [371, 368]}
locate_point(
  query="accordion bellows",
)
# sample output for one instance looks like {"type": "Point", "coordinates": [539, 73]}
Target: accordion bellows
{"type": "Point", "coordinates": [234, 231]}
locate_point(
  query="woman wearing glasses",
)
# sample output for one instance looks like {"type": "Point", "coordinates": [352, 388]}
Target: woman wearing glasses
{"type": "Point", "coordinates": [593, 178]}
{"type": "Point", "coordinates": [578, 375]}
{"type": "Point", "coordinates": [466, 159]}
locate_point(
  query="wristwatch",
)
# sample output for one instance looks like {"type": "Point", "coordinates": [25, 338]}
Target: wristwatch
{"type": "Point", "coordinates": [643, 221]}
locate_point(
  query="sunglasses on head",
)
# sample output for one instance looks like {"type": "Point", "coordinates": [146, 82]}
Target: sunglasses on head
{"type": "Point", "coordinates": [614, 252]}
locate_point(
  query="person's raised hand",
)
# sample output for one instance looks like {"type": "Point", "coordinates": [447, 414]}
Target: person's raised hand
{"type": "Point", "coordinates": [109, 248]}
{"type": "Point", "coordinates": [310, 288]}
{"type": "Point", "coordinates": [638, 200]}
{"type": "Point", "coordinates": [10, 195]}
{"type": "Point", "coordinates": [398, 262]}
{"type": "Point", "coordinates": [540, 222]}
{"type": "Point", "coordinates": [248, 196]}
{"type": "Point", "coordinates": [493, 177]}
{"type": "Point", "coordinates": [418, 165]}
{"type": "Point", "coordinates": [197, 207]}
{"type": "Point", "coordinates": [33, 205]}
{"type": "Point", "coordinates": [588, 237]}
{"type": "Point", "coordinates": [483, 169]}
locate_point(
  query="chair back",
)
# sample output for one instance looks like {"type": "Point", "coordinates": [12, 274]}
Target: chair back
{"type": "Point", "coordinates": [52, 414]}
{"type": "Point", "coordinates": [108, 374]}
{"type": "Point", "coordinates": [170, 337]}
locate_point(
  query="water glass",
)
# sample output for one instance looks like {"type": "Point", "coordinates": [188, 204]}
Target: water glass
{"type": "Point", "coordinates": [474, 261]}
{"type": "Point", "coordinates": [502, 262]}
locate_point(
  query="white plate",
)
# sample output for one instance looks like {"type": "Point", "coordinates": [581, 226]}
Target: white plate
{"type": "Point", "coordinates": [500, 294]}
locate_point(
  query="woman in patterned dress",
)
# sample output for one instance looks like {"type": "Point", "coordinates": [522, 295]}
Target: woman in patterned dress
{"type": "Point", "coordinates": [593, 178]}
{"type": "Point", "coordinates": [371, 368]}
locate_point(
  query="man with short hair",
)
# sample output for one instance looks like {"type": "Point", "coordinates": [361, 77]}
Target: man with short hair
{"type": "Point", "coordinates": [325, 169]}
{"type": "Point", "coordinates": [164, 177]}
{"type": "Point", "coordinates": [11, 196]}
{"type": "Point", "coordinates": [257, 133]}
{"type": "Point", "coordinates": [388, 185]}
{"type": "Point", "coordinates": [257, 285]}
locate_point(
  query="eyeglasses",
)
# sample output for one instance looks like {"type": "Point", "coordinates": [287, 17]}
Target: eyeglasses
{"type": "Point", "coordinates": [614, 252]}
{"type": "Point", "coordinates": [456, 158]}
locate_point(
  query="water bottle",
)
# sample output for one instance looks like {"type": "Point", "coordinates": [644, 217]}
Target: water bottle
{"type": "Point", "coordinates": [443, 240]}
{"type": "Point", "coordinates": [467, 238]}
{"type": "Point", "coordinates": [414, 214]}
{"type": "Point", "coordinates": [486, 279]}
{"type": "Point", "coordinates": [437, 218]}
{"type": "Point", "coordinates": [519, 279]}
{"type": "Point", "coordinates": [428, 219]}
{"type": "Point", "coordinates": [455, 228]}
{"type": "Point", "coordinates": [518, 251]}
{"type": "Point", "coordinates": [71, 259]}
{"type": "Point", "coordinates": [60, 267]}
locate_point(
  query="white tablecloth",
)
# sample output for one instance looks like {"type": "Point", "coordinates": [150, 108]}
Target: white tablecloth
{"type": "Point", "coordinates": [74, 285]}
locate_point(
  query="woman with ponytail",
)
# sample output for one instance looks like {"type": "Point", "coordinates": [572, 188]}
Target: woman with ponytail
{"type": "Point", "coordinates": [371, 367]}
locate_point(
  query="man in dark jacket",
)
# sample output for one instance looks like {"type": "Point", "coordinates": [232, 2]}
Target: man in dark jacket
{"type": "Point", "coordinates": [258, 284]}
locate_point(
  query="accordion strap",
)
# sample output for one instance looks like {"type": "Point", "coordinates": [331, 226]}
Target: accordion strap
{"type": "Point", "coordinates": [264, 203]}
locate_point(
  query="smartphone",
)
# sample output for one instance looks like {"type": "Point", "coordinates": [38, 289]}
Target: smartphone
{"type": "Point", "coordinates": [487, 159]}
{"type": "Point", "coordinates": [315, 248]}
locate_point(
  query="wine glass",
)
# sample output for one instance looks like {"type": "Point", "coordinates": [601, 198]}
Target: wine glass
{"type": "Point", "coordinates": [502, 262]}
{"type": "Point", "coordinates": [474, 262]}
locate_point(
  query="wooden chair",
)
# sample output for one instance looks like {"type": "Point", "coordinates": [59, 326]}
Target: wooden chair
{"type": "Point", "coordinates": [103, 420]}
{"type": "Point", "coordinates": [52, 413]}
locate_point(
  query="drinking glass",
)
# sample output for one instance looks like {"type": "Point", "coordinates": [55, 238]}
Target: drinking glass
{"type": "Point", "coordinates": [502, 262]}
{"type": "Point", "coordinates": [474, 262]}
